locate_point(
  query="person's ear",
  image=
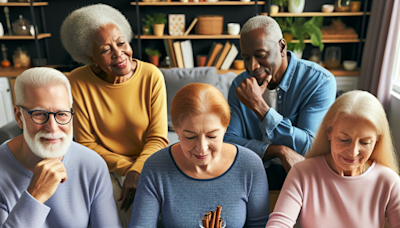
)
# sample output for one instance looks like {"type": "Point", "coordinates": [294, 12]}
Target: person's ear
{"type": "Point", "coordinates": [328, 133]}
{"type": "Point", "coordinates": [18, 116]}
{"type": "Point", "coordinates": [92, 60]}
{"type": "Point", "coordinates": [282, 47]}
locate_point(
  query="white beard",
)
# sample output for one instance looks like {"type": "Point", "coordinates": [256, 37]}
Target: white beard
{"type": "Point", "coordinates": [47, 150]}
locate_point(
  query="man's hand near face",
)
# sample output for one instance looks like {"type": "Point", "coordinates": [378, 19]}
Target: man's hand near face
{"type": "Point", "coordinates": [251, 95]}
{"type": "Point", "coordinates": [48, 174]}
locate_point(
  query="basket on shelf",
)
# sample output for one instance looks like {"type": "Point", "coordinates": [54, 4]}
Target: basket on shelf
{"type": "Point", "coordinates": [210, 25]}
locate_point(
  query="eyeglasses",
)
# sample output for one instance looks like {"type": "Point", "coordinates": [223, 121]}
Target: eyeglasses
{"type": "Point", "coordinates": [42, 116]}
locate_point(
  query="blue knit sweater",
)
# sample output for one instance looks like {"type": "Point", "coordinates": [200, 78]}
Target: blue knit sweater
{"type": "Point", "coordinates": [242, 191]}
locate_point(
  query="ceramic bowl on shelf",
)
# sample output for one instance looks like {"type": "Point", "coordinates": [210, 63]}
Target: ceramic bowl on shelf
{"type": "Point", "coordinates": [238, 64]}
{"type": "Point", "coordinates": [349, 64]}
{"type": "Point", "coordinates": [328, 8]}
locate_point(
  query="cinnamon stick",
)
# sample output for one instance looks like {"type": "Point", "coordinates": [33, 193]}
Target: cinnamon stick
{"type": "Point", "coordinates": [212, 220]}
{"type": "Point", "coordinates": [217, 216]}
{"type": "Point", "coordinates": [205, 222]}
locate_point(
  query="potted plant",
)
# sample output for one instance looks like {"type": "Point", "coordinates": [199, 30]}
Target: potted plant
{"type": "Point", "coordinates": [157, 22]}
{"type": "Point", "coordinates": [154, 55]}
{"type": "Point", "coordinates": [147, 23]}
{"type": "Point", "coordinates": [281, 3]}
{"type": "Point", "coordinates": [302, 29]}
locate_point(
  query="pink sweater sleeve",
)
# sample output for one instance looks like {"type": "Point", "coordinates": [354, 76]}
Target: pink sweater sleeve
{"type": "Point", "coordinates": [393, 208]}
{"type": "Point", "coordinates": [290, 201]}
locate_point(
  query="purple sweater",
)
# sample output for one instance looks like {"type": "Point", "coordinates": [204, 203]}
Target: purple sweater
{"type": "Point", "coordinates": [85, 198]}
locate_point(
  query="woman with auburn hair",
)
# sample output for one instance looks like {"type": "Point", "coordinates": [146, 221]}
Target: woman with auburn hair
{"type": "Point", "coordinates": [350, 177]}
{"type": "Point", "coordinates": [192, 177]}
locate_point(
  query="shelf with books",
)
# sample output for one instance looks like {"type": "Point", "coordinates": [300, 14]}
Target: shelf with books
{"type": "Point", "coordinates": [190, 36]}
{"type": "Point", "coordinates": [219, 3]}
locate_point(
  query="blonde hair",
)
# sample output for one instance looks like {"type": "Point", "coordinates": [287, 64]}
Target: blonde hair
{"type": "Point", "coordinates": [39, 77]}
{"type": "Point", "coordinates": [199, 98]}
{"type": "Point", "coordinates": [365, 106]}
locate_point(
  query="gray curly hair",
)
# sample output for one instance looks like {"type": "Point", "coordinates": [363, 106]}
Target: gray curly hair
{"type": "Point", "coordinates": [77, 29]}
{"type": "Point", "coordinates": [268, 24]}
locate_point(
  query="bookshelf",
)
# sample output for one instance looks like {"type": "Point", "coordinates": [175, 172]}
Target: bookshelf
{"type": "Point", "coordinates": [36, 37]}
{"type": "Point", "coordinates": [219, 3]}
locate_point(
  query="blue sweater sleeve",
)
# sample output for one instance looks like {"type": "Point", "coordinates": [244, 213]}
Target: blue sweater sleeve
{"type": "Point", "coordinates": [236, 132]}
{"type": "Point", "coordinates": [257, 211]}
{"type": "Point", "coordinates": [103, 211]}
{"type": "Point", "coordinates": [28, 212]}
{"type": "Point", "coordinates": [146, 201]}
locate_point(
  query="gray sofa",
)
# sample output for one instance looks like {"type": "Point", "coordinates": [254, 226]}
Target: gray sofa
{"type": "Point", "coordinates": [9, 131]}
{"type": "Point", "coordinates": [176, 78]}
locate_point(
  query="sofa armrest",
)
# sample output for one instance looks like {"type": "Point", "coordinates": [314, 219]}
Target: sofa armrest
{"type": "Point", "coordinates": [9, 131]}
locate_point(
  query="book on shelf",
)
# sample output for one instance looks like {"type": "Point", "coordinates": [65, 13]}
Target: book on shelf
{"type": "Point", "coordinates": [216, 58]}
{"type": "Point", "coordinates": [214, 51]}
{"type": "Point", "coordinates": [178, 54]}
{"type": "Point", "coordinates": [233, 52]}
{"type": "Point", "coordinates": [169, 49]}
{"type": "Point", "coordinates": [191, 26]}
{"type": "Point", "coordinates": [223, 55]}
{"type": "Point", "coordinates": [187, 53]}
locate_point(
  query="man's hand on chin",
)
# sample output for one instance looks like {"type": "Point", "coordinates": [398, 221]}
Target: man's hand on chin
{"type": "Point", "coordinates": [48, 174]}
{"type": "Point", "coordinates": [250, 93]}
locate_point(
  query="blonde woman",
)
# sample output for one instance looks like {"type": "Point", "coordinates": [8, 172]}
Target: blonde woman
{"type": "Point", "coordinates": [350, 177]}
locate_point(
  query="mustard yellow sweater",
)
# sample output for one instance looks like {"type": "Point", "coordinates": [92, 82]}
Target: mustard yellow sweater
{"type": "Point", "coordinates": [125, 123]}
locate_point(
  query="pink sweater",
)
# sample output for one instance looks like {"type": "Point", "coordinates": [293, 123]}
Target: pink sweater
{"type": "Point", "coordinates": [327, 199]}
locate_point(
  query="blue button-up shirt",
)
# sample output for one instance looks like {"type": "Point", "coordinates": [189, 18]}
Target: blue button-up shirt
{"type": "Point", "coordinates": [305, 94]}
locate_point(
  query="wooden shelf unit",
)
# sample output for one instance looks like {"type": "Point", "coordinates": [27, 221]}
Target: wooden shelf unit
{"type": "Point", "coordinates": [219, 3]}
{"type": "Point", "coordinates": [14, 72]}
{"type": "Point", "coordinates": [190, 36]}
{"type": "Point", "coordinates": [333, 41]}
{"type": "Point", "coordinates": [24, 4]}
{"type": "Point", "coordinates": [40, 36]}
{"type": "Point", "coordinates": [318, 14]}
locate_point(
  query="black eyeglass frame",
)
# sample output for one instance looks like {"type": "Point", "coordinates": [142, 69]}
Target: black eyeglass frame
{"type": "Point", "coordinates": [48, 115]}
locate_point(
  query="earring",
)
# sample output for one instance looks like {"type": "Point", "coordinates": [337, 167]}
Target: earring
{"type": "Point", "coordinates": [95, 64]}
{"type": "Point", "coordinates": [329, 139]}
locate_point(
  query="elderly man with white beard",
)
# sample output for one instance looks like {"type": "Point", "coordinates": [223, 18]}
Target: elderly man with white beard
{"type": "Point", "coordinates": [46, 179]}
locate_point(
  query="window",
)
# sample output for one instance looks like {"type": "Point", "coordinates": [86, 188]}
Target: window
{"type": "Point", "coordinates": [396, 76]}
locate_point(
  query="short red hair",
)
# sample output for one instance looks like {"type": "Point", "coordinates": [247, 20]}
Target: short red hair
{"type": "Point", "coordinates": [199, 98]}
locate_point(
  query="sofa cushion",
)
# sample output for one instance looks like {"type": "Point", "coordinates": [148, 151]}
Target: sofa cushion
{"type": "Point", "coordinates": [176, 78]}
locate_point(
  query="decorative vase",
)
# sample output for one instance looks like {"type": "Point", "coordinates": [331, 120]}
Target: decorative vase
{"type": "Point", "coordinates": [158, 29]}
{"type": "Point", "coordinates": [154, 59]}
{"type": "Point", "coordinates": [298, 54]}
{"type": "Point", "coordinates": [296, 6]}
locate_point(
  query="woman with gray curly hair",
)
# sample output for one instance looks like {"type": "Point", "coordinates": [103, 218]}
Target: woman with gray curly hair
{"type": "Point", "coordinates": [119, 102]}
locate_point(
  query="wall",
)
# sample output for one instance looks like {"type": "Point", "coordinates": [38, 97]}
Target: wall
{"type": "Point", "coordinates": [394, 119]}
